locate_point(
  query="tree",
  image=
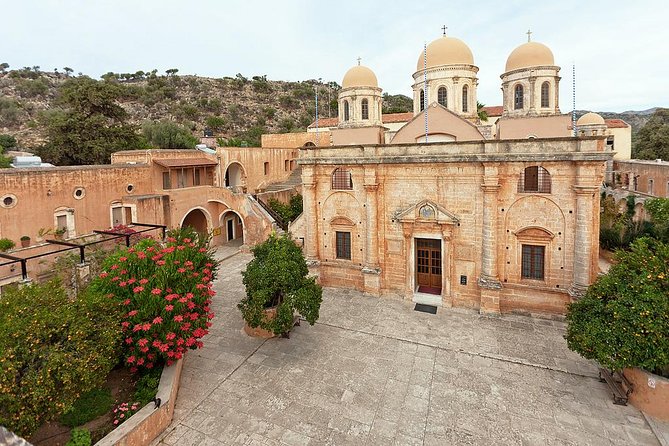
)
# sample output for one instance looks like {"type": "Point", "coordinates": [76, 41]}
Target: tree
{"type": "Point", "coordinates": [277, 278]}
{"type": "Point", "coordinates": [215, 123]}
{"type": "Point", "coordinates": [658, 208]}
{"type": "Point", "coordinates": [652, 140]}
{"type": "Point", "coordinates": [622, 320]}
{"type": "Point", "coordinates": [7, 142]}
{"type": "Point", "coordinates": [68, 71]}
{"type": "Point", "coordinates": [3, 67]}
{"type": "Point", "coordinates": [483, 115]}
{"type": "Point", "coordinates": [168, 135]}
{"type": "Point", "coordinates": [90, 127]}
{"type": "Point", "coordinates": [172, 71]}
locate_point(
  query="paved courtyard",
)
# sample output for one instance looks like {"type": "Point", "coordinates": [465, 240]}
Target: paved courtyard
{"type": "Point", "coordinates": [374, 372]}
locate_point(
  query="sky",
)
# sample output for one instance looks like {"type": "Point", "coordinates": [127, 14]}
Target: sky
{"type": "Point", "coordinates": [620, 62]}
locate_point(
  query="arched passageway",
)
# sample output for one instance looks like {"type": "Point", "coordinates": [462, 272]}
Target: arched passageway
{"type": "Point", "coordinates": [234, 175]}
{"type": "Point", "coordinates": [197, 220]}
{"type": "Point", "coordinates": [232, 228]}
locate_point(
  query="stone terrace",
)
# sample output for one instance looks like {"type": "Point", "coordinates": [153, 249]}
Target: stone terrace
{"type": "Point", "coordinates": [374, 372]}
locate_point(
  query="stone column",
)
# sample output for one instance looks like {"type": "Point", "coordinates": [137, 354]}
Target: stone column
{"type": "Point", "coordinates": [489, 280]}
{"type": "Point", "coordinates": [556, 97]}
{"type": "Point", "coordinates": [446, 266]}
{"type": "Point", "coordinates": [311, 223]}
{"type": "Point", "coordinates": [533, 96]}
{"type": "Point", "coordinates": [371, 271]}
{"type": "Point", "coordinates": [583, 240]}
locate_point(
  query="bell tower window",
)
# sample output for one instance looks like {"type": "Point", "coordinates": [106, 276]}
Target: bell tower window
{"type": "Point", "coordinates": [465, 99]}
{"type": "Point", "coordinates": [545, 91]}
{"type": "Point", "coordinates": [422, 100]}
{"type": "Point", "coordinates": [365, 109]}
{"type": "Point", "coordinates": [346, 111]}
{"type": "Point", "coordinates": [518, 97]}
{"type": "Point", "coordinates": [442, 96]}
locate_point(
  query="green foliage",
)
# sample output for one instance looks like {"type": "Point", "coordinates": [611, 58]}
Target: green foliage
{"type": "Point", "coordinates": [269, 112]}
{"type": "Point", "coordinates": [92, 126]}
{"type": "Point", "coordinates": [482, 114]}
{"type": "Point", "coordinates": [618, 229]}
{"type": "Point", "coordinates": [658, 208]}
{"type": "Point", "coordinates": [623, 320]}
{"type": "Point", "coordinates": [9, 112]}
{"type": "Point", "coordinates": [7, 142]}
{"type": "Point", "coordinates": [80, 437]}
{"type": "Point", "coordinates": [397, 103]}
{"type": "Point", "coordinates": [146, 386]}
{"type": "Point", "coordinates": [215, 123]}
{"type": "Point", "coordinates": [6, 244]}
{"type": "Point", "coordinates": [277, 278]}
{"type": "Point", "coordinates": [260, 84]}
{"type": "Point", "coordinates": [29, 88]}
{"type": "Point", "coordinates": [5, 162]}
{"type": "Point", "coordinates": [286, 125]}
{"type": "Point", "coordinates": [54, 349]}
{"type": "Point", "coordinates": [287, 212]}
{"type": "Point", "coordinates": [89, 406]}
{"type": "Point", "coordinates": [168, 135]}
{"type": "Point", "coordinates": [288, 101]}
{"type": "Point", "coordinates": [652, 140]}
{"type": "Point", "coordinates": [253, 135]}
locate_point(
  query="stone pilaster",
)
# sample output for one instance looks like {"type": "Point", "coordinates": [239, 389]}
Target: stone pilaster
{"type": "Point", "coordinates": [583, 240]}
{"type": "Point", "coordinates": [533, 96]}
{"type": "Point", "coordinates": [489, 280]}
{"type": "Point", "coordinates": [311, 221]}
{"type": "Point", "coordinates": [371, 271]}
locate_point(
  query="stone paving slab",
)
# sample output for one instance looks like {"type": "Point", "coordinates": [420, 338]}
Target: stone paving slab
{"type": "Point", "coordinates": [374, 372]}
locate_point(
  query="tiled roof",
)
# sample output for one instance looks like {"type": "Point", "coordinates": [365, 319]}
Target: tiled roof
{"type": "Point", "coordinates": [396, 117]}
{"type": "Point", "coordinates": [495, 110]}
{"type": "Point", "coordinates": [184, 162]}
{"type": "Point", "coordinates": [325, 122]}
{"type": "Point", "coordinates": [616, 123]}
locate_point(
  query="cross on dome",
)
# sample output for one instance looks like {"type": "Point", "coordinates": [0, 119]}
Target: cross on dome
{"type": "Point", "coordinates": [529, 33]}
{"type": "Point", "coordinates": [359, 59]}
{"type": "Point", "coordinates": [443, 29]}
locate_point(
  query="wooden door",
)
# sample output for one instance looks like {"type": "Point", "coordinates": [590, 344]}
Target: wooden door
{"type": "Point", "coordinates": [428, 262]}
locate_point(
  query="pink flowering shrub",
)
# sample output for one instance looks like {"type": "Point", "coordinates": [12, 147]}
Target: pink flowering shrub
{"type": "Point", "coordinates": [124, 411]}
{"type": "Point", "coordinates": [165, 292]}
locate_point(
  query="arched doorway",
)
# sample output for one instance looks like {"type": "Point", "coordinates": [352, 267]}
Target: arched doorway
{"type": "Point", "coordinates": [232, 228]}
{"type": "Point", "coordinates": [197, 220]}
{"type": "Point", "coordinates": [234, 175]}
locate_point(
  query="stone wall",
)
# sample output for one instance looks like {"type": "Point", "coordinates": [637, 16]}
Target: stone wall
{"type": "Point", "coordinates": [626, 171]}
{"type": "Point", "coordinates": [296, 140]}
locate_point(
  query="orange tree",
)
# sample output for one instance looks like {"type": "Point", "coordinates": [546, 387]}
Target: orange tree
{"type": "Point", "coordinates": [623, 320]}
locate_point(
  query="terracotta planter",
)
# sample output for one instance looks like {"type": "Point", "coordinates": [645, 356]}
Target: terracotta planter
{"type": "Point", "coordinates": [270, 313]}
{"type": "Point", "coordinates": [650, 393]}
{"type": "Point", "coordinates": [25, 243]}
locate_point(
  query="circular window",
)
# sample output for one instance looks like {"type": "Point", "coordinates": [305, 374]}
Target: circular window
{"type": "Point", "coordinates": [79, 193]}
{"type": "Point", "coordinates": [9, 201]}
{"type": "Point", "coordinates": [129, 188]}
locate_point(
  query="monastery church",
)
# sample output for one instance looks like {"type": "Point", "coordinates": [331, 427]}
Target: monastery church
{"type": "Point", "coordinates": [435, 206]}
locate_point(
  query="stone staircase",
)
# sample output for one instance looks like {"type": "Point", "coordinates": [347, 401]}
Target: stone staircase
{"type": "Point", "coordinates": [295, 179]}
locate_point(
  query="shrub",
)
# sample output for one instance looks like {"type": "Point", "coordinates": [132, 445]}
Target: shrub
{"type": "Point", "coordinates": [277, 277]}
{"type": "Point", "coordinates": [80, 437]}
{"type": "Point", "coordinates": [623, 319]}
{"type": "Point", "coordinates": [53, 350]}
{"type": "Point", "coordinates": [168, 135]}
{"type": "Point", "coordinates": [6, 244]}
{"type": "Point", "coordinates": [147, 386]}
{"type": "Point", "coordinates": [165, 294]}
{"type": "Point", "coordinates": [287, 212]}
{"type": "Point", "coordinates": [88, 407]}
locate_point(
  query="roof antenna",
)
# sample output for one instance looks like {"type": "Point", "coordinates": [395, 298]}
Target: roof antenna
{"type": "Point", "coordinates": [573, 99]}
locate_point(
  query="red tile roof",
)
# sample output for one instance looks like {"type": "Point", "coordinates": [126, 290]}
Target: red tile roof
{"type": "Point", "coordinates": [184, 162]}
{"type": "Point", "coordinates": [396, 117]}
{"type": "Point", "coordinates": [495, 110]}
{"type": "Point", "coordinates": [325, 122]}
{"type": "Point", "coordinates": [616, 123]}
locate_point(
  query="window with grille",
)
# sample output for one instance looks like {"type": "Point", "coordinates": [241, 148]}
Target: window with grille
{"type": "Point", "coordinates": [535, 179]}
{"type": "Point", "coordinates": [343, 245]}
{"type": "Point", "coordinates": [533, 262]}
{"type": "Point", "coordinates": [650, 186]}
{"type": "Point", "coordinates": [518, 97]}
{"type": "Point", "coordinates": [341, 179]}
{"type": "Point", "coordinates": [422, 100]}
{"type": "Point", "coordinates": [545, 91]}
{"type": "Point", "coordinates": [442, 96]}
{"type": "Point", "coordinates": [365, 109]}
{"type": "Point", "coordinates": [465, 99]}
{"type": "Point", "coordinates": [346, 111]}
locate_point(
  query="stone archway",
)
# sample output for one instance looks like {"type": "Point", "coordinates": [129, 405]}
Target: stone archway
{"type": "Point", "coordinates": [232, 228]}
{"type": "Point", "coordinates": [234, 175]}
{"type": "Point", "coordinates": [196, 219]}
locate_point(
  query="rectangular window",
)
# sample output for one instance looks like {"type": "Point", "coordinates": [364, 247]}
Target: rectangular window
{"type": "Point", "coordinates": [532, 179]}
{"type": "Point", "coordinates": [533, 262]}
{"type": "Point", "coordinates": [117, 216]}
{"type": "Point", "coordinates": [266, 167]}
{"type": "Point", "coordinates": [167, 180]}
{"type": "Point", "coordinates": [286, 165]}
{"type": "Point", "coordinates": [344, 245]}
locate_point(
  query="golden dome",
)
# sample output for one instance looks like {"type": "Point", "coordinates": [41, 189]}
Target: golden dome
{"type": "Point", "coordinates": [530, 54]}
{"type": "Point", "coordinates": [359, 76]}
{"type": "Point", "coordinates": [590, 119]}
{"type": "Point", "coordinates": [446, 51]}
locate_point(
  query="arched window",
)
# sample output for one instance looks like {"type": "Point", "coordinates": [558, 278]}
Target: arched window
{"type": "Point", "coordinates": [465, 99]}
{"type": "Point", "coordinates": [341, 179]}
{"type": "Point", "coordinates": [535, 179]}
{"type": "Point", "coordinates": [545, 91]}
{"type": "Point", "coordinates": [518, 97]}
{"type": "Point", "coordinates": [346, 111]}
{"type": "Point", "coordinates": [365, 109]}
{"type": "Point", "coordinates": [422, 100]}
{"type": "Point", "coordinates": [442, 96]}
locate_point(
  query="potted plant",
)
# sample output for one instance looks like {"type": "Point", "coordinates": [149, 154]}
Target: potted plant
{"type": "Point", "coordinates": [59, 233]}
{"type": "Point", "coordinates": [277, 287]}
{"type": "Point", "coordinates": [6, 244]}
{"type": "Point", "coordinates": [622, 323]}
{"type": "Point", "coordinates": [25, 241]}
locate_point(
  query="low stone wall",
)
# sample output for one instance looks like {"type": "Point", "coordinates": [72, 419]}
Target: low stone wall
{"type": "Point", "coordinates": [144, 426]}
{"type": "Point", "coordinates": [650, 393]}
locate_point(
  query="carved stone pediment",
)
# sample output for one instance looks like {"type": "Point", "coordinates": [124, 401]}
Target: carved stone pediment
{"type": "Point", "coordinates": [341, 221]}
{"type": "Point", "coordinates": [427, 211]}
{"type": "Point", "coordinates": [534, 232]}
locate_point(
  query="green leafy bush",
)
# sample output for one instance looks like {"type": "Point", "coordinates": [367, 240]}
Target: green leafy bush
{"type": "Point", "coordinates": [288, 212]}
{"type": "Point", "coordinates": [147, 386]}
{"type": "Point", "coordinates": [277, 278]}
{"type": "Point", "coordinates": [80, 437]}
{"type": "Point", "coordinates": [88, 407]}
{"type": "Point", "coordinates": [53, 350]}
{"type": "Point", "coordinates": [623, 320]}
{"type": "Point", "coordinates": [168, 135]}
{"type": "Point", "coordinates": [6, 244]}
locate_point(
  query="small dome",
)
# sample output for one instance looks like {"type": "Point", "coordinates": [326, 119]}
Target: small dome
{"type": "Point", "coordinates": [446, 51]}
{"type": "Point", "coordinates": [359, 76]}
{"type": "Point", "coordinates": [530, 54]}
{"type": "Point", "coordinates": [590, 119]}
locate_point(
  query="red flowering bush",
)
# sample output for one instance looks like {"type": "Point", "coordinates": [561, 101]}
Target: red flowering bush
{"type": "Point", "coordinates": [165, 292]}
